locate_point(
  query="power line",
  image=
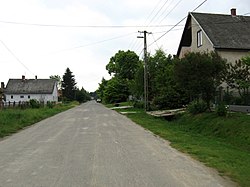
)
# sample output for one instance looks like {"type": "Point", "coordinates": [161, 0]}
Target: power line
{"type": "Point", "coordinates": [16, 57]}
{"type": "Point", "coordinates": [134, 43]}
{"type": "Point", "coordinates": [177, 23]}
{"type": "Point", "coordinates": [80, 26]}
{"type": "Point", "coordinates": [170, 11]}
{"type": "Point", "coordinates": [157, 12]}
{"type": "Point", "coordinates": [153, 10]}
{"type": "Point", "coordinates": [155, 41]}
{"type": "Point", "coordinates": [98, 42]}
{"type": "Point", "coordinates": [164, 11]}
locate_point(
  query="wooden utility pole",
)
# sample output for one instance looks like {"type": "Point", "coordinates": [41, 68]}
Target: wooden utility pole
{"type": "Point", "coordinates": [145, 69]}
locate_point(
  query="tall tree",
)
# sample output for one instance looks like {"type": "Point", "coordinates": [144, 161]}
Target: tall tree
{"type": "Point", "coordinates": [164, 92]}
{"type": "Point", "coordinates": [123, 64]}
{"type": "Point", "coordinates": [136, 85]}
{"type": "Point", "coordinates": [69, 85]}
{"type": "Point", "coordinates": [116, 91]}
{"type": "Point", "coordinates": [101, 89]}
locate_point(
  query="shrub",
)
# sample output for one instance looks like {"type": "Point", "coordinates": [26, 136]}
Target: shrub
{"type": "Point", "coordinates": [50, 104]}
{"type": "Point", "coordinates": [34, 103]}
{"type": "Point", "coordinates": [197, 106]}
{"type": "Point", "coordinates": [138, 104]}
{"type": "Point", "coordinates": [221, 110]}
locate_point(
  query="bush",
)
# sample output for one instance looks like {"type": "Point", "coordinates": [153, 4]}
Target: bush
{"type": "Point", "coordinates": [138, 104]}
{"type": "Point", "coordinates": [34, 103]}
{"type": "Point", "coordinates": [197, 107]}
{"type": "Point", "coordinates": [221, 110]}
{"type": "Point", "coordinates": [50, 104]}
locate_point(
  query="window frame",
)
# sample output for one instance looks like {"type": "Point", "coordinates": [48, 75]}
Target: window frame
{"type": "Point", "coordinates": [199, 38]}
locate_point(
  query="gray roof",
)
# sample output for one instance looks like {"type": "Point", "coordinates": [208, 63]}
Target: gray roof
{"type": "Point", "coordinates": [30, 86]}
{"type": "Point", "coordinates": [225, 31]}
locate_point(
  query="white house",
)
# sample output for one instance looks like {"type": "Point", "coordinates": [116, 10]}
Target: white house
{"type": "Point", "coordinates": [20, 90]}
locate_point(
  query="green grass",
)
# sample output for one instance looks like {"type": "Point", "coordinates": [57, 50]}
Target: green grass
{"type": "Point", "coordinates": [219, 142]}
{"type": "Point", "coordinates": [13, 120]}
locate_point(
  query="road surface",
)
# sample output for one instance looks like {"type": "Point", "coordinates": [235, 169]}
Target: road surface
{"type": "Point", "coordinates": [91, 145]}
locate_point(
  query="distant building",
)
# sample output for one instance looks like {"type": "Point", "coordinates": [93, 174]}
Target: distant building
{"type": "Point", "coordinates": [20, 90]}
{"type": "Point", "coordinates": [1, 91]}
{"type": "Point", "coordinates": [229, 35]}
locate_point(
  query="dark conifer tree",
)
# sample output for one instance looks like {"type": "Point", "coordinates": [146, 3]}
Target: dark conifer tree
{"type": "Point", "coordinates": [69, 85]}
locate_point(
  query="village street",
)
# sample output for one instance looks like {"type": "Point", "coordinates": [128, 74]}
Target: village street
{"type": "Point", "coordinates": [91, 145]}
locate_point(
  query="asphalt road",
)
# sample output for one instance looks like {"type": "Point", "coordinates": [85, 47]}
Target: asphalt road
{"type": "Point", "coordinates": [91, 145]}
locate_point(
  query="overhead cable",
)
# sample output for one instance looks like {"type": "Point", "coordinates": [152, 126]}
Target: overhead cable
{"type": "Point", "coordinates": [11, 52]}
{"type": "Point", "coordinates": [177, 23]}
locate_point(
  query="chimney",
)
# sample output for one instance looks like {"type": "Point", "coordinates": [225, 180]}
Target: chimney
{"type": "Point", "coordinates": [2, 85]}
{"type": "Point", "coordinates": [233, 12]}
{"type": "Point", "coordinates": [23, 78]}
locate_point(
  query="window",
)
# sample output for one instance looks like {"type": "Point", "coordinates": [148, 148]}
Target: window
{"type": "Point", "coordinates": [11, 96]}
{"type": "Point", "coordinates": [199, 38]}
{"type": "Point", "coordinates": [21, 96]}
{"type": "Point", "coordinates": [28, 96]}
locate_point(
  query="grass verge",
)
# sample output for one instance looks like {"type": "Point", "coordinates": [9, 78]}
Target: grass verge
{"type": "Point", "coordinates": [13, 120]}
{"type": "Point", "coordinates": [220, 142]}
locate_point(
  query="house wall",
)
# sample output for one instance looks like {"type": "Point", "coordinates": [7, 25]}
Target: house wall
{"type": "Point", "coordinates": [207, 46]}
{"type": "Point", "coordinates": [1, 94]}
{"type": "Point", "coordinates": [184, 50]}
{"type": "Point", "coordinates": [27, 97]}
{"type": "Point", "coordinates": [232, 56]}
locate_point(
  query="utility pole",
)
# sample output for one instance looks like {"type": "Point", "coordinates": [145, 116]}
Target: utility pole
{"type": "Point", "coordinates": [145, 68]}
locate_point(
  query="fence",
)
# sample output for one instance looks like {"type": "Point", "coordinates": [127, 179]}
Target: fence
{"type": "Point", "coordinates": [20, 104]}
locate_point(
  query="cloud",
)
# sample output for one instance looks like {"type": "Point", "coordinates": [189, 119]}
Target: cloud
{"type": "Point", "coordinates": [50, 50]}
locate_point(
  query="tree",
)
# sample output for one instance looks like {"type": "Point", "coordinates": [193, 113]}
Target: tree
{"type": "Point", "coordinates": [101, 88]}
{"type": "Point", "coordinates": [116, 91]}
{"type": "Point", "coordinates": [82, 95]}
{"type": "Point", "coordinates": [200, 74]}
{"type": "Point", "coordinates": [164, 92]}
{"type": "Point", "coordinates": [246, 59]}
{"type": "Point", "coordinates": [58, 79]}
{"type": "Point", "coordinates": [136, 86]}
{"type": "Point", "coordinates": [123, 64]}
{"type": "Point", "coordinates": [238, 77]}
{"type": "Point", "coordinates": [69, 85]}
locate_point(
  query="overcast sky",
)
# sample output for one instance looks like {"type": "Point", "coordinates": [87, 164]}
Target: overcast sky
{"type": "Point", "coordinates": [44, 37]}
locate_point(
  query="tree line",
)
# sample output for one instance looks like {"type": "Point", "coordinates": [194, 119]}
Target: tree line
{"type": "Point", "coordinates": [174, 82]}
